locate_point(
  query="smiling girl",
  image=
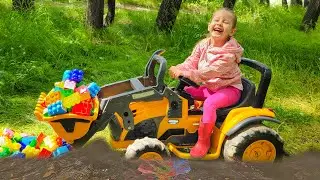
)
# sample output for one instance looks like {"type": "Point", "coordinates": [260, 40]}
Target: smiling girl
{"type": "Point", "coordinates": [214, 65]}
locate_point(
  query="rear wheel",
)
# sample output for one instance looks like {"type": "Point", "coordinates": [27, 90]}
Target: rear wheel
{"type": "Point", "coordinates": [147, 149]}
{"type": "Point", "coordinates": [256, 143]}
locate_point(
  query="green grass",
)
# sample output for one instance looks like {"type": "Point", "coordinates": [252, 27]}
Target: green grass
{"type": "Point", "coordinates": [36, 48]}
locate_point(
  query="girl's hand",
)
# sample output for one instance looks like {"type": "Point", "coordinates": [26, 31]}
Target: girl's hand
{"type": "Point", "coordinates": [172, 69]}
{"type": "Point", "coordinates": [174, 72]}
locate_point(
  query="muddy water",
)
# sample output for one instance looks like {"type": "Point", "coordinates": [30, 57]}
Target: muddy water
{"type": "Point", "coordinates": [97, 161]}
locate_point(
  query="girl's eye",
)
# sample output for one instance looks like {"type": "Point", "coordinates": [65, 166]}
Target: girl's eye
{"type": "Point", "coordinates": [227, 22]}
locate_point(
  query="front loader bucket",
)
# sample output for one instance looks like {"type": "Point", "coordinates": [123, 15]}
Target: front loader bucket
{"type": "Point", "coordinates": [68, 126]}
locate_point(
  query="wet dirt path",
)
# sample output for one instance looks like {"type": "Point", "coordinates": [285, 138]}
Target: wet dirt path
{"type": "Point", "coordinates": [97, 161]}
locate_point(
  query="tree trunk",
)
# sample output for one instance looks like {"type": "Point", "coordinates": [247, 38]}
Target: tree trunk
{"type": "Point", "coordinates": [229, 3]}
{"type": "Point", "coordinates": [311, 17]}
{"type": "Point", "coordinates": [285, 3]}
{"type": "Point", "coordinates": [111, 11]}
{"type": "Point", "coordinates": [299, 2]}
{"type": "Point", "coordinates": [296, 2]}
{"type": "Point", "coordinates": [95, 13]}
{"type": "Point", "coordinates": [22, 4]}
{"type": "Point", "coordinates": [167, 14]}
{"type": "Point", "coordinates": [306, 3]}
{"type": "Point", "coordinates": [267, 2]}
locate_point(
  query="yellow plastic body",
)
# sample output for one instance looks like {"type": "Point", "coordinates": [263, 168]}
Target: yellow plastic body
{"type": "Point", "coordinates": [218, 136]}
{"type": "Point", "coordinates": [154, 109]}
{"type": "Point", "coordinates": [147, 110]}
{"type": "Point", "coordinates": [80, 128]}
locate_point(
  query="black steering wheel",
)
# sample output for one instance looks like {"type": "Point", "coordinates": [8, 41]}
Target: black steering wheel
{"type": "Point", "coordinates": [183, 82]}
{"type": "Point", "coordinates": [188, 81]}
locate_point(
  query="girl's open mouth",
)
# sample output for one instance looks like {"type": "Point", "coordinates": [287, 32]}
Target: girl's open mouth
{"type": "Point", "coordinates": [217, 29]}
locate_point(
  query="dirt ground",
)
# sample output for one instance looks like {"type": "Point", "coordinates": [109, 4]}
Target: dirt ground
{"type": "Point", "coordinates": [97, 161]}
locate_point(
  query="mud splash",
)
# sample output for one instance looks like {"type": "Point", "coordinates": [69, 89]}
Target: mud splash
{"type": "Point", "coordinates": [97, 161]}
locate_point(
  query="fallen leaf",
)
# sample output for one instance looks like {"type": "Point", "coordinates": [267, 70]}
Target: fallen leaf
{"type": "Point", "coordinates": [47, 174]}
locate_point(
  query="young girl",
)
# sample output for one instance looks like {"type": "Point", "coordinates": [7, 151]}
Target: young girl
{"type": "Point", "coordinates": [213, 65]}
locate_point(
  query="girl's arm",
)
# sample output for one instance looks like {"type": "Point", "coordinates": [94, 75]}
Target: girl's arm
{"type": "Point", "coordinates": [219, 67]}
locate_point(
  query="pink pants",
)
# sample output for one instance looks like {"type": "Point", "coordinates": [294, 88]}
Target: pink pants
{"type": "Point", "coordinates": [213, 100]}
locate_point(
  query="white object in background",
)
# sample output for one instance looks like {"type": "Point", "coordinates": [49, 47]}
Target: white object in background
{"type": "Point", "coordinates": [274, 3]}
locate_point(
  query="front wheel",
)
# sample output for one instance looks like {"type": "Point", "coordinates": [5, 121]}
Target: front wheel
{"type": "Point", "coordinates": [256, 143]}
{"type": "Point", "coordinates": [147, 149]}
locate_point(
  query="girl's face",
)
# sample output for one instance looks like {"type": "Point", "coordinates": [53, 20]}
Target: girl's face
{"type": "Point", "coordinates": [221, 26]}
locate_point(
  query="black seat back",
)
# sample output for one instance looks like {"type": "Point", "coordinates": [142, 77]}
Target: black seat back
{"type": "Point", "coordinates": [247, 98]}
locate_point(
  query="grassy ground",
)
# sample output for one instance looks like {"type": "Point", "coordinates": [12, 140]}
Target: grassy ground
{"type": "Point", "coordinates": [36, 48]}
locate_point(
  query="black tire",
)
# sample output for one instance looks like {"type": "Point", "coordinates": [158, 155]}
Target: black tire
{"type": "Point", "coordinates": [235, 146]}
{"type": "Point", "coordinates": [146, 145]}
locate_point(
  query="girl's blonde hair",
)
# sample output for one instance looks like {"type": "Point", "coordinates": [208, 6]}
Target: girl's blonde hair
{"type": "Point", "coordinates": [230, 11]}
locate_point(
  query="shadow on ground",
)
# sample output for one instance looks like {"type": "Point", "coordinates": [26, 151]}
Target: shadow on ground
{"type": "Point", "coordinates": [97, 161]}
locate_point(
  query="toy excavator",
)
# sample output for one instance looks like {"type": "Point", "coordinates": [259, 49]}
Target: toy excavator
{"type": "Point", "coordinates": [152, 121]}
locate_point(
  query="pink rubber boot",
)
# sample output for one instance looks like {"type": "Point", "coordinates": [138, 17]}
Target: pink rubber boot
{"type": "Point", "coordinates": [203, 144]}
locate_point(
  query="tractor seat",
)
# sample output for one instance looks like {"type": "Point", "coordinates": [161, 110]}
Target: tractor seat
{"type": "Point", "coordinates": [247, 98]}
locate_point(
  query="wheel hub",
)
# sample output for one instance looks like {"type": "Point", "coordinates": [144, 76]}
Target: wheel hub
{"type": "Point", "coordinates": [151, 156]}
{"type": "Point", "coordinates": [261, 150]}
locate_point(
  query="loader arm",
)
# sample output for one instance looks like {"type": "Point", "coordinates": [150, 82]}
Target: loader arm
{"type": "Point", "coordinates": [120, 104]}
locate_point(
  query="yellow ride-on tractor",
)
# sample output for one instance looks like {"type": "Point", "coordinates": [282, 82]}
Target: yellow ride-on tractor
{"type": "Point", "coordinates": [151, 120]}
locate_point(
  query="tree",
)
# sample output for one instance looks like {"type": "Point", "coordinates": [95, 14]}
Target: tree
{"type": "Point", "coordinates": [305, 3]}
{"type": "Point", "coordinates": [111, 11]}
{"type": "Point", "coordinates": [167, 14]}
{"type": "Point", "coordinates": [267, 2]}
{"type": "Point", "coordinates": [22, 4]}
{"type": "Point", "coordinates": [285, 3]}
{"type": "Point", "coordinates": [95, 13]}
{"type": "Point", "coordinates": [311, 16]}
{"type": "Point", "coordinates": [296, 2]}
{"type": "Point", "coordinates": [229, 3]}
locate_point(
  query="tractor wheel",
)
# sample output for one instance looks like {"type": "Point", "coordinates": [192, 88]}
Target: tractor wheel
{"type": "Point", "coordinates": [147, 149]}
{"type": "Point", "coordinates": [256, 143]}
